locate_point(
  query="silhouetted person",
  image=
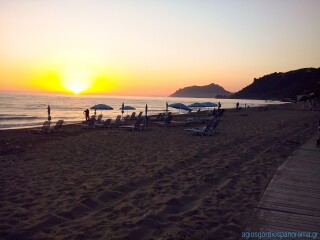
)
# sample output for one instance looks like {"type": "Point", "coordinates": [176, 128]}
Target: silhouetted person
{"type": "Point", "coordinates": [49, 111]}
{"type": "Point", "coordinates": [86, 113]}
{"type": "Point", "coordinates": [237, 105]}
{"type": "Point", "coordinates": [219, 105]}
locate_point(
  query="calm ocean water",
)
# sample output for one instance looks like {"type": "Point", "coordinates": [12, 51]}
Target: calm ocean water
{"type": "Point", "coordinates": [29, 110]}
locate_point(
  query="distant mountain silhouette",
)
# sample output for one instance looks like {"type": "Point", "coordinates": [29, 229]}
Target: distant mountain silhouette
{"type": "Point", "coordinates": [283, 85]}
{"type": "Point", "coordinates": [208, 91]}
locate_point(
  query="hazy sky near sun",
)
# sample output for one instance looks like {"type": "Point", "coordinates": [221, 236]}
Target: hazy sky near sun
{"type": "Point", "coordinates": [138, 47]}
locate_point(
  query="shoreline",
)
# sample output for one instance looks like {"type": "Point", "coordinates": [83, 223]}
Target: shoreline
{"type": "Point", "coordinates": [180, 115]}
{"type": "Point", "coordinates": [159, 183]}
{"type": "Point", "coordinates": [27, 112]}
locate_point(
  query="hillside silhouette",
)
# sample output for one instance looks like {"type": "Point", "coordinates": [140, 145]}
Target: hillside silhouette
{"type": "Point", "coordinates": [303, 81]}
{"type": "Point", "coordinates": [208, 91]}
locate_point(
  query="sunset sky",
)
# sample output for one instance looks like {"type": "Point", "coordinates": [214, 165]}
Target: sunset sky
{"type": "Point", "coordinates": [152, 48]}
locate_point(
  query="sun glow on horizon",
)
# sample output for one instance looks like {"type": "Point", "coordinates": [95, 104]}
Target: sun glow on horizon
{"type": "Point", "coordinates": [108, 47]}
{"type": "Point", "coordinates": [73, 79]}
{"type": "Point", "coordinates": [77, 80]}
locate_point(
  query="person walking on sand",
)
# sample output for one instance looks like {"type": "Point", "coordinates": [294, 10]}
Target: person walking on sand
{"type": "Point", "coordinates": [86, 113]}
{"type": "Point", "coordinates": [219, 105]}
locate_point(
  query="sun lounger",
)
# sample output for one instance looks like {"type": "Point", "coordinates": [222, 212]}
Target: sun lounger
{"type": "Point", "coordinates": [139, 115]}
{"type": "Point", "coordinates": [99, 119]}
{"type": "Point", "coordinates": [158, 118]}
{"type": "Point", "coordinates": [137, 126]}
{"type": "Point", "coordinates": [181, 123]}
{"type": "Point", "coordinates": [45, 128]}
{"type": "Point", "coordinates": [194, 120]}
{"type": "Point", "coordinates": [57, 127]}
{"type": "Point", "coordinates": [206, 120]}
{"type": "Point", "coordinates": [220, 112]}
{"type": "Point", "coordinates": [208, 130]}
{"type": "Point", "coordinates": [90, 123]}
{"type": "Point", "coordinates": [216, 113]}
{"type": "Point", "coordinates": [117, 122]}
{"type": "Point", "coordinates": [132, 117]}
{"type": "Point", "coordinates": [167, 121]}
{"type": "Point", "coordinates": [105, 124]}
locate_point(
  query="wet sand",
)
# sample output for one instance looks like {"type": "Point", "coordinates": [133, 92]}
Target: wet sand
{"type": "Point", "coordinates": [161, 183]}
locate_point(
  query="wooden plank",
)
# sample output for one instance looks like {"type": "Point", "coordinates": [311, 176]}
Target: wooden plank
{"type": "Point", "coordinates": [291, 201]}
{"type": "Point", "coordinates": [308, 211]}
{"type": "Point", "coordinates": [291, 194]}
{"type": "Point", "coordinates": [294, 187]}
{"type": "Point", "coordinates": [282, 197]}
{"type": "Point", "coordinates": [275, 219]}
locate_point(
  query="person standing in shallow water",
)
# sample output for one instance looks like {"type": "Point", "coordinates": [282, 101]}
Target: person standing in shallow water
{"type": "Point", "coordinates": [49, 113]}
{"type": "Point", "coordinates": [86, 113]}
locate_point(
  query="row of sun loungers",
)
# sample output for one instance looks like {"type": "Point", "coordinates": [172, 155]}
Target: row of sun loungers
{"type": "Point", "coordinates": [137, 126]}
{"type": "Point", "coordinates": [98, 123]}
{"type": "Point", "coordinates": [169, 122]}
{"type": "Point", "coordinates": [133, 116]}
{"type": "Point", "coordinates": [216, 113]}
{"type": "Point", "coordinates": [208, 130]}
{"type": "Point", "coordinates": [47, 128]}
{"type": "Point", "coordinates": [160, 120]}
{"type": "Point", "coordinates": [118, 122]}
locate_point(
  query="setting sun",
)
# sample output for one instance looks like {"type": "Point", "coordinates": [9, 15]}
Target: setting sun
{"type": "Point", "coordinates": [75, 86]}
{"type": "Point", "coordinates": [77, 80]}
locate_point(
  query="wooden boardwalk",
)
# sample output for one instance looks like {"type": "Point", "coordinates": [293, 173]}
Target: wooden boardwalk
{"type": "Point", "coordinates": [291, 201]}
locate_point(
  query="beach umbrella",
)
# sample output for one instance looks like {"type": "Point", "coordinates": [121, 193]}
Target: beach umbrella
{"type": "Point", "coordinates": [179, 106]}
{"type": "Point", "coordinates": [123, 108]}
{"type": "Point", "coordinates": [128, 108]}
{"type": "Point", "coordinates": [101, 107]}
{"type": "Point", "coordinates": [196, 105]}
{"type": "Point", "coordinates": [209, 104]}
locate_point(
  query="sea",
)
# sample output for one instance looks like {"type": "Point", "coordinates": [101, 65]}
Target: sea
{"type": "Point", "coordinates": [23, 110]}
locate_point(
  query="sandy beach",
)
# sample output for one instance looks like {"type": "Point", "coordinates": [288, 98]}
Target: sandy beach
{"type": "Point", "coordinates": [161, 183]}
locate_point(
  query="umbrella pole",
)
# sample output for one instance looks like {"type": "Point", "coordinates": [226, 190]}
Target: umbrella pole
{"type": "Point", "coordinates": [146, 116]}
